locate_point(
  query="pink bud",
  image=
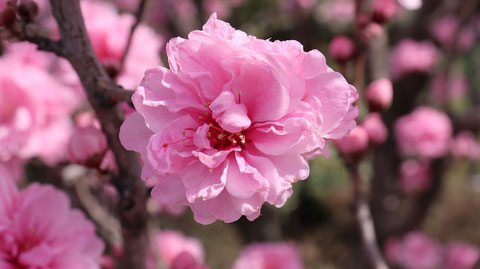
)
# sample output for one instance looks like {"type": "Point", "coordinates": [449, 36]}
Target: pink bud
{"type": "Point", "coordinates": [341, 49]}
{"type": "Point", "coordinates": [376, 129]}
{"type": "Point", "coordinates": [383, 10]}
{"type": "Point", "coordinates": [87, 146]}
{"type": "Point", "coordinates": [184, 260]}
{"type": "Point", "coordinates": [356, 143]}
{"type": "Point", "coordinates": [371, 31]}
{"type": "Point", "coordinates": [379, 94]}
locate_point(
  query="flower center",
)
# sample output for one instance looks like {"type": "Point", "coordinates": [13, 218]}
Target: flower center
{"type": "Point", "coordinates": [222, 140]}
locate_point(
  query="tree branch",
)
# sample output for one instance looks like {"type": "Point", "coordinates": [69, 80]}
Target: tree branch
{"type": "Point", "coordinates": [365, 222]}
{"type": "Point", "coordinates": [138, 19]}
{"type": "Point", "coordinates": [31, 33]}
{"type": "Point", "coordinates": [78, 50]}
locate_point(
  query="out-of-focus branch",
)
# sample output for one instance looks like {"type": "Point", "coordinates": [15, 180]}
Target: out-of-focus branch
{"type": "Point", "coordinates": [78, 50]}
{"type": "Point", "coordinates": [108, 226]}
{"type": "Point", "coordinates": [31, 34]}
{"type": "Point", "coordinates": [365, 222]}
{"type": "Point", "coordinates": [138, 18]}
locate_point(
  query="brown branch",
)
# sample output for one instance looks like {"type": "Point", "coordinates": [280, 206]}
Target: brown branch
{"type": "Point", "coordinates": [78, 50]}
{"type": "Point", "coordinates": [365, 222]}
{"type": "Point", "coordinates": [31, 33]}
{"type": "Point", "coordinates": [107, 225]}
{"type": "Point", "coordinates": [138, 18]}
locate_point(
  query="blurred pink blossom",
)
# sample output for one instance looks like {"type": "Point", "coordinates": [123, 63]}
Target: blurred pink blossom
{"type": "Point", "coordinates": [410, 4]}
{"type": "Point", "coordinates": [168, 245]}
{"type": "Point", "coordinates": [465, 145]}
{"type": "Point", "coordinates": [232, 124]}
{"type": "Point", "coordinates": [461, 256]}
{"type": "Point", "coordinates": [87, 146]}
{"type": "Point", "coordinates": [383, 10]}
{"type": "Point", "coordinates": [341, 49]}
{"type": "Point", "coordinates": [415, 176]}
{"type": "Point", "coordinates": [354, 143]}
{"type": "Point", "coordinates": [38, 229]}
{"type": "Point", "coordinates": [410, 56]}
{"type": "Point", "coordinates": [376, 129]}
{"type": "Point", "coordinates": [415, 251]}
{"type": "Point", "coordinates": [425, 132]}
{"type": "Point", "coordinates": [445, 29]}
{"type": "Point", "coordinates": [336, 11]}
{"type": "Point", "coordinates": [457, 88]}
{"type": "Point", "coordinates": [221, 7]}
{"type": "Point", "coordinates": [109, 46]}
{"type": "Point", "coordinates": [34, 112]}
{"type": "Point", "coordinates": [379, 94]}
{"type": "Point", "coordinates": [269, 255]}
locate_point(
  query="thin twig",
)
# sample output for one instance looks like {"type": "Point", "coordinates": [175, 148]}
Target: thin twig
{"type": "Point", "coordinates": [109, 227]}
{"type": "Point", "coordinates": [365, 222]}
{"type": "Point", "coordinates": [138, 18]}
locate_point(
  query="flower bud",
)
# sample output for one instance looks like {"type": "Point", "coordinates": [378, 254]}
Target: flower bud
{"type": "Point", "coordinates": [383, 10]}
{"type": "Point", "coordinates": [371, 31]}
{"type": "Point", "coordinates": [341, 49]}
{"type": "Point", "coordinates": [184, 260]}
{"type": "Point", "coordinates": [376, 129]}
{"type": "Point", "coordinates": [87, 147]}
{"type": "Point", "coordinates": [355, 144]}
{"type": "Point", "coordinates": [379, 95]}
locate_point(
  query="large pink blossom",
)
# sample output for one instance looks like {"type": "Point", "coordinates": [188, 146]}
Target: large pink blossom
{"type": "Point", "coordinates": [233, 122]}
{"type": "Point", "coordinates": [411, 56]}
{"type": "Point", "coordinates": [109, 46]}
{"type": "Point", "coordinates": [38, 229]}
{"type": "Point", "coordinates": [34, 107]}
{"type": "Point", "coordinates": [269, 255]}
{"type": "Point", "coordinates": [425, 132]}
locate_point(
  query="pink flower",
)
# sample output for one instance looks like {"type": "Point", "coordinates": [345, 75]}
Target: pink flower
{"type": "Point", "coordinates": [38, 229]}
{"type": "Point", "coordinates": [379, 94]}
{"type": "Point", "coordinates": [34, 112]}
{"type": "Point", "coordinates": [376, 129]}
{"type": "Point", "coordinates": [354, 143]}
{"type": "Point", "coordinates": [109, 46]}
{"type": "Point", "coordinates": [232, 124]}
{"type": "Point", "coordinates": [415, 176]}
{"type": "Point", "coordinates": [457, 88]}
{"type": "Point", "coordinates": [445, 29]}
{"type": "Point", "coordinates": [411, 56]}
{"type": "Point", "coordinates": [341, 49]}
{"type": "Point", "coordinates": [461, 256]}
{"type": "Point", "coordinates": [87, 146]}
{"type": "Point", "coordinates": [169, 245]}
{"type": "Point", "coordinates": [415, 251]}
{"type": "Point", "coordinates": [383, 10]}
{"type": "Point", "coordinates": [465, 145]}
{"type": "Point", "coordinates": [269, 255]}
{"type": "Point", "coordinates": [425, 132]}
